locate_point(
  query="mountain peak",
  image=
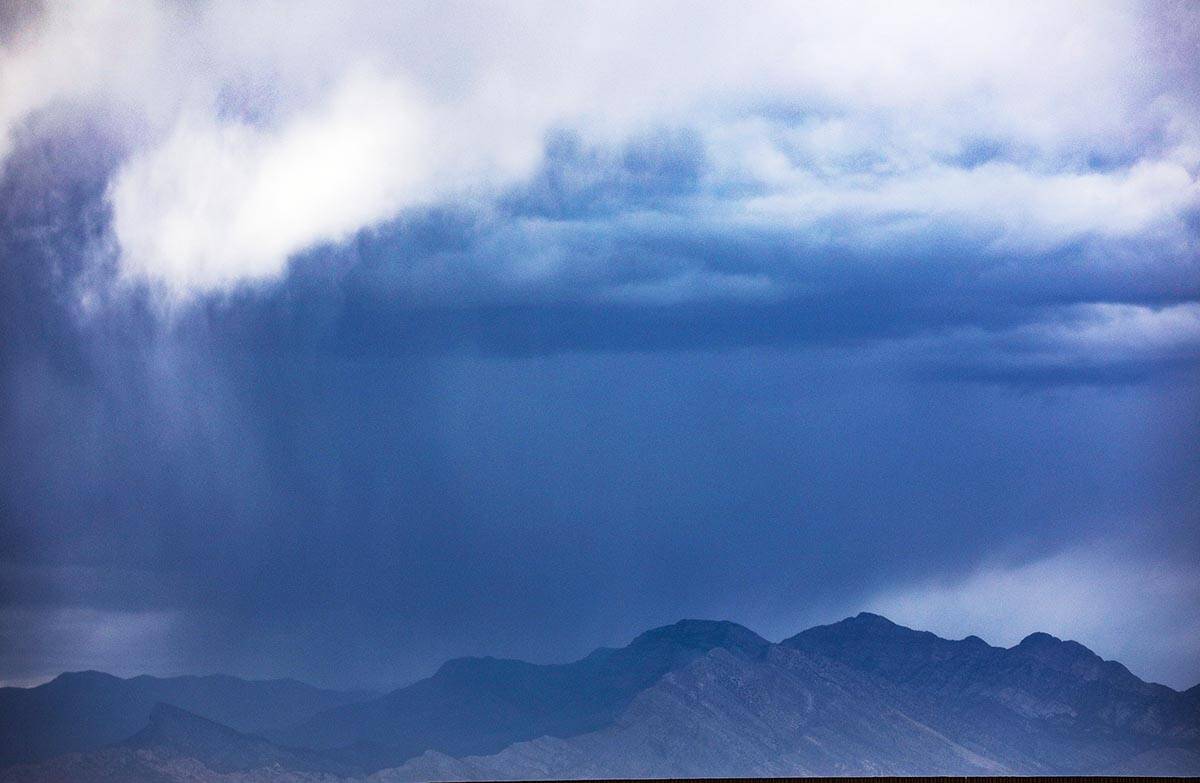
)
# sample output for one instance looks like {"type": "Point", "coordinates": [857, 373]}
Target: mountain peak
{"type": "Point", "coordinates": [703, 635]}
{"type": "Point", "coordinates": [871, 618]}
{"type": "Point", "coordinates": [1043, 645]}
{"type": "Point", "coordinates": [87, 675]}
{"type": "Point", "coordinates": [861, 625]}
{"type": "Point", "coordinates": [1038, 639]}
{"type": "Point", "coordinates": [1074, 657]}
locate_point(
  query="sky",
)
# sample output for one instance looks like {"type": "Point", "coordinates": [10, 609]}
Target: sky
{"type": "Point", "coordinates": [341, 338]}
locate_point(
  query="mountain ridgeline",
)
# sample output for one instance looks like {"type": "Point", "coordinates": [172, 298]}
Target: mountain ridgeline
{"type": "Point", "coordinates": [80, 711]}
{"type": "Point", "coordinates": [482, 705]}
{"type": "Point", "coordinates": [863, 696]}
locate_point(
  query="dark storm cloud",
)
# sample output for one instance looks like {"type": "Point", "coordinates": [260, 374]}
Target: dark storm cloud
{"type": "Point", "coordinates": [774, 359]}
{"type": "Point", "coordinates": [351, 475]}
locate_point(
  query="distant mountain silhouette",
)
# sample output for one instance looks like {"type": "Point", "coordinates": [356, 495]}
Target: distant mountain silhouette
{"type": "Point", "coordinates": [868, 697]}
{"type": "Point", "coordinates": [81, 711]}
{"type": "Point", "coordinates": [863, 696]}
{"type": "Point", "coordinates": [482, 705]}
{"type": "Point", "coordinates": [177, 745]}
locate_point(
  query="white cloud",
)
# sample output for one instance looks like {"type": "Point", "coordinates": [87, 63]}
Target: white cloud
{"type": "Point", "coordinates": [253, 133]}
{"type": "Point", "coordinates": [1138, 610]}
{"type": "Point", "coordinates": [1109, 331]}
{"type": "Point", "coordinates": [1080, 336]}
{"type": "Point", "coordinates": [218, 202]}
{"type": "Point", "coordinates": [1019, 209]}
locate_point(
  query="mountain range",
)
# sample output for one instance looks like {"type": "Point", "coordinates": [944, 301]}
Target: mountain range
{"type": "Point", "coordinates": [82, 711]}
{"type": "Point", "coordinates": [863, 696]}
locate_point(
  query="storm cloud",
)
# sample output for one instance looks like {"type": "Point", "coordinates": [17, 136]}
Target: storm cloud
{"type": "Point", "coordinates": [337, 347]}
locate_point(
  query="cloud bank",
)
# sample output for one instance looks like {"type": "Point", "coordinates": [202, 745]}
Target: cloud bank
{"type": "Point", "coordinates": [247, 141]}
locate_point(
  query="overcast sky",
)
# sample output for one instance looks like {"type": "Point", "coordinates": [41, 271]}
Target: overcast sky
{"type": "Point", "coordinates": [340, 338]}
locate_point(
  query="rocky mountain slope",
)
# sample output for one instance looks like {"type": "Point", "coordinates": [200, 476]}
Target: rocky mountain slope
{"type": "Point", "coordinates": [782, 713]}
{"type": "Point", "coordinates": [1046, 704]}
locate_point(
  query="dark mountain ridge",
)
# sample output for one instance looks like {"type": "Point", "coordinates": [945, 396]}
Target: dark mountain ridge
{"type": "Point", "coordinates": [1052, 703]}
{"type": "Point", "coordinates": [80, 711]}
{"type": "Point", "coordinates": [482, 705]}
{"type": "Point", "coordinates": [1042, 663]}
{"type": "Point", "coordinates": [176, 745]}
